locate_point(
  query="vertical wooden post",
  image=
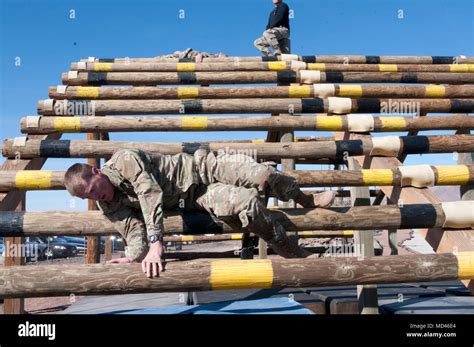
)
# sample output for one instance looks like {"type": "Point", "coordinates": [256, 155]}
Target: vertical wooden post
{"type": "Point", "coordinates": [108, 240]}
{"type": "Point", "coordinates": [15, 306]}
{"type": "Point", "coordinates": [93, 242]}
{"type": "Point", "coordinates": [467, 191]}
{"type": "Point", "coordinates": [364, 246]}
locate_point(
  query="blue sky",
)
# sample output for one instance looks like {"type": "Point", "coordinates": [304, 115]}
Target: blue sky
{"type": "Point", "coordinates": [45, 40]}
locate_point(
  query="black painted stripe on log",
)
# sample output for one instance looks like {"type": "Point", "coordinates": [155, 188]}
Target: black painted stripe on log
{"type": "Point", "coordinates": [312, 106]}
{"type": "Point", "coordinates": [409, 78]}
{"type": "Point", "coordinates": [368, 105]}
{"type": "Point", "coordinates": [194, 222]}
{"type": "Point", "coordinates": [12, 223]}
{"type": "Point", "coordinates": [286, 76]}
{"type": "Point", "coordinates": [97, 78]}
{"type": "Point", "coordinates": [107, 60]}
{"type": "Point", "coordinates": [372, 59]}
{"type": "Point", "coordinates": [351, 147]}
{"type": "Point", "coordinates": [187, 77]}
{"type": "Point", "coordinates": [309, 58]}
{"type": "Point", "coordinates": [443, 60]}
{"type": "Point", "coordinates": [415, 144]}
{"type": "Point", "coordinates": [186, 60]}
{"type": "Point", "coordinates": [462, 106]}
{"type": "Point", "coordinates": [191, 106]}
{"type": "Point", "coordinates": [269, 59]}
{"type": "Point", "coordinates": [55, 148]}
{"type": "Point", "coordinates": [417, 216]}
{"type": "Point", "coordinates": [334, 77]}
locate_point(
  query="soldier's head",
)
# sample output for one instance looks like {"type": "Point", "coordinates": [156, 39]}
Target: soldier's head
{"type": "Point", "coordinates": [276, 2]}
{"type": "Point", "coordinates": [88, 182]}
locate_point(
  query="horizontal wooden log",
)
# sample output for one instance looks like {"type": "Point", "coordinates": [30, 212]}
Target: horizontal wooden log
{"type": "Point", "coordinates": [442, 175]}
{"type": "Point", "coordinates": [86, 124]}
{"type": "Point", "coordinates": [263, 66]}
{"type": "Point", "coordinates": [203, 275]}
{"type": "Point", "coordinates": [337, 59]}
{"type": "Point", "coordinates": [299, 219]}
{"type": "Point", "coordinates": [75, 78]}
{"type": "Point", "coordinates": [263, 151]}
{"type": "Point", "coordinates": [306, 91]}
{"type": "Point", "coordinates": [334, 105]}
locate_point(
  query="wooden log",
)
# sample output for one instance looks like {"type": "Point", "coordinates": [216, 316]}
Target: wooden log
{"type": "Point", "coordinates": [203, 275]}
{"type": "Point", "coordinates": [75, 78]}
{"type": "Point", "coordinates": [263, 66]}
{"type": "Point", "coordinates": [267, 151]}
{"type": "Point", "coordinates": [47, 125]}
{"type": "Point", "coordinates": [334, 105]}
{"type": "Point", "coordinates": [337, 59]}
{"type": "Point", "coordinates": [306, 91]}
{"type": "Point", "coordinates": [337, 218]}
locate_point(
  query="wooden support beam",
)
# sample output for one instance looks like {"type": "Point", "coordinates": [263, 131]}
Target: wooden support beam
{"type": "Point", "coordinates": [333, 105]}
{"type": "Point", "coordinates": [224, 92]}
{"type": "Point", "coordinates": [337, 218]}
{"type": "Point", "coordinates": [33, 148]}
{"type": "Point", "coordinates": [74, 78]}
{"type": "Point", "coordinates": [203, 275]}
{"type": "Point", "coordinates": [46, 125]}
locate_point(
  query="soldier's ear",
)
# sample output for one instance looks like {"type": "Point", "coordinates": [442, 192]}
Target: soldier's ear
{"type": "Point", "coordinates": [95, 171]}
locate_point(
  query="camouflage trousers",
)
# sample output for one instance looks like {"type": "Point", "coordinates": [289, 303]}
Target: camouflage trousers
{"type": "Point", "coordinates": [277, 38]}
{"type": "Point", "coordinates": [231, 192]}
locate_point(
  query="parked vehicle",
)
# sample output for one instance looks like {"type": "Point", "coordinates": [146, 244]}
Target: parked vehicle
{"type": "Point", "coordinates": [52, 247]}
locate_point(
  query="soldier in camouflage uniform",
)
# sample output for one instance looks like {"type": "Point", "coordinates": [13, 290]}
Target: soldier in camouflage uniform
{"type": "Point", "coordinates": [191, 54]}
{"type": "Point", "coordinates": [134, 187]}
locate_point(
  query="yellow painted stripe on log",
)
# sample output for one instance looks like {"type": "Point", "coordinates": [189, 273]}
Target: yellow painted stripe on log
{"type": "Point", "coordinates": [465, 265]}
{"type": "Point", "coordinates": [188, 92]}
{"type": "Point", "coordinates": [186, 238]}
{"type": "Point", "coordinates": [67, 124]}
{"type": "Point", "coordinates": [348, 232]}
{"type": "Point", "coordinates": [277, 65]}
{"type": "Point", "coordinates": [329, 123]}
{"type": "Point", "coordinates": [237, 274]}
{"type": "Point", "coordinates": [393, 123]}
{"type": "Point", "coordinates": [102, 66]}
{"type": "Point", "coordinates": [186, 67]}
{"type": "Point", "coordinates": [193, 123]}
{"type": "Point", "coordinates": [258, 141]}
{"type": "Point", "coordinates": [299, 91]}
{"type": "Point", "coordinates": [388, 68]}
{"type": "Point", "coordinates": [34, 179]}
{"type": "Point", "coordinates": [317, 66]}
{"type": "Point", "coordinates": [87, 92]}
{"type": "Point", "coordinates": [435, 91]}
{"type": "Point", "coordinates": [236, 236]}
{"type": "Point", "coordinates": [459, 67]}
{"type": "Point", "coordinates": [378, 177]}
{"type": "Point", "coordinates": [452, 174]}
{"type": "Point", "coordinates": [350, 90]}
{"type": "Point", "coordinates": [471, 67]}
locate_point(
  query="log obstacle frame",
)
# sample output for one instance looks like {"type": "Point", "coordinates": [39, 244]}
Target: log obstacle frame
{"type": "Point", "coordinates": [308, 84]}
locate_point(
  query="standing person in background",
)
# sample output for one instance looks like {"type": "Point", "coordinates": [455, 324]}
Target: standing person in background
{"type": "Point", "coordinates": [277, 33]}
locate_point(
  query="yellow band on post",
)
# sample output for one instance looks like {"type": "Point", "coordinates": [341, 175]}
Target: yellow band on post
{"type": "Point", "coordinates": [329, 123]}
{"type": "Point", "coordinates": [87, 92]}
{"type": "Point", "coordinates": [452, 175]}
{"type": "Point", "coordinates": [351, 90]}
{"type": "Point", "coordinates": [258, 141]}
{"type": "Point", "coordinates": [276, 65]}
{"type": "Point", "coordinates": [33, 179]}
{"type": "Point", "coordinates": [380, 177]}
{"type": "Point", "coordinates": [435, 91]}
{"type": "Point", "coordinates": [388, 68]}
{"type": "Point", "coordinates": [239, 274]}
{"type": "Point", "coordinates": [348, 232]}
{"type": "Point", "coordinates": [317, 66]}
{"type": "Point", "coordinates": [186, 67]}
{"type": "Point", "coordinates": [67, 124]}
{"type": "Point", "coordinates": [193, 123]}
{"type": "Point", "coordinates": [103, 66]}
{"type": "Point", "coordinates": [465, 265]}
{"type": "Point", "coordinates": [393, 123]}
{"type": "Point", "coordinates": [186, 238]}
{"type": "Point", "coordinates": [299, 91]}
{"type": "Point", "coordinates": [459, 68]}
{"type": "Point", "coordinates": [188, 92]}
{"type": "Point", "coordinates": [236, 237]}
